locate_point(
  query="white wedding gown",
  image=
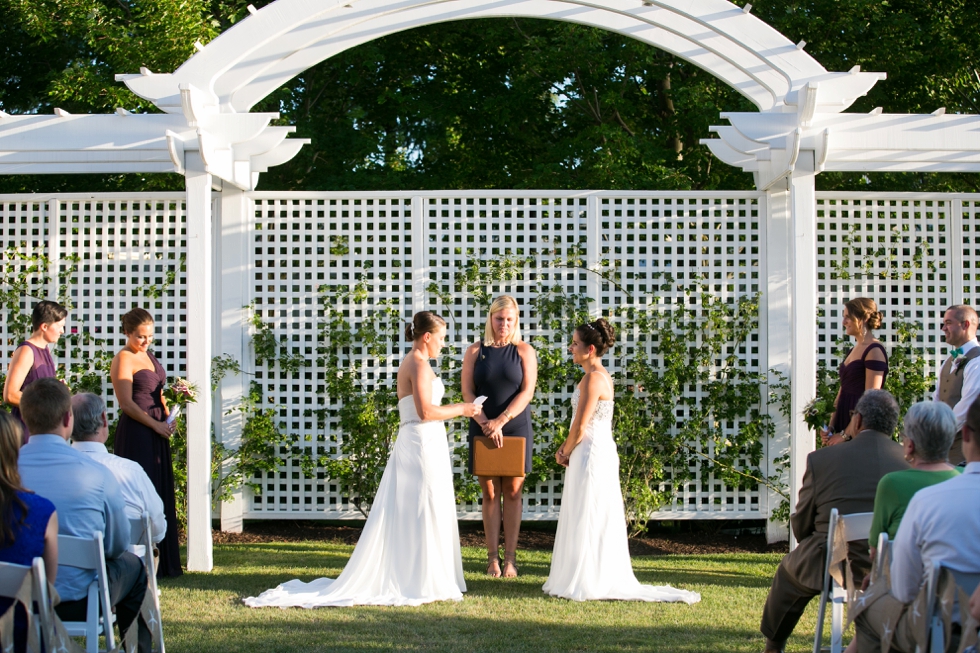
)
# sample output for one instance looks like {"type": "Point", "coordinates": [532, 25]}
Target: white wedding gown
{"type": "Point", "coordinates": [591, 560]}
{"type": "Point", "coordinates": [408, 552]}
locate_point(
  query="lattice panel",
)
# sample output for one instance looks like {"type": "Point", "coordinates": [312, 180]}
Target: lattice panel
{"type": "Point", "coordinates": [970, 252]}
{"type": "Point", "coordinates": [299, 244]}
{"type": "Point", "coordinates": [23, 233]}
{"type": "Point", "coordinates": [111, 253]}
{"type": "Point", "coordinates": [895, 249]}
{"type": "Point", "coordinates": [707, 239]}
{"type": "Point", "coordinates": [304, 240]}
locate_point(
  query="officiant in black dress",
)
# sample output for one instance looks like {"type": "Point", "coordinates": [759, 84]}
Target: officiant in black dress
{"type": "Point", "coordinates": [503, 368]}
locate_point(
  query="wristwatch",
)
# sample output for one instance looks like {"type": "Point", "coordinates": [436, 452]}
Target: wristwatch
{"type": "Point", "coordinates": [846, 437]}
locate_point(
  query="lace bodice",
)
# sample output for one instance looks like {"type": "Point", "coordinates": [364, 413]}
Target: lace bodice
{"type": "Point", "coordinates": [603, 409]}
{"type": "Point", "coordinates": [406, 405]}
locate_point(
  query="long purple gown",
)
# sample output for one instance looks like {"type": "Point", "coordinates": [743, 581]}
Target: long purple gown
{"type": "Point", "coordinates": [852, 376]}
{"type": "Point", "coordinates": [137, 442]}
{"type": "Point", "coordinates": [43, 368]}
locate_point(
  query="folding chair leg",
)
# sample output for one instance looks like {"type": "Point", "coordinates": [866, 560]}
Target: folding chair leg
{"type": "Point", "coordinates": [836, 623]}
{"type": "Point", "coordinates": [937, 636]}
{"type": "Point", "coordinates": [821, 613]}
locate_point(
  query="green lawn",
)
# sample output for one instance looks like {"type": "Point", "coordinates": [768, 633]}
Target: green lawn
{"type": "Point", "coordinates": [203, 612]}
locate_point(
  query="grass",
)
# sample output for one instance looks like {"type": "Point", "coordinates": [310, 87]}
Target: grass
{"type": "Point", "coordinates": [204, 613]}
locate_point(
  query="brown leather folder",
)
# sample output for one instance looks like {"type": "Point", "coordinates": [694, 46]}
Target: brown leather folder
{"type": "Point", "coordinates": [507, 460]}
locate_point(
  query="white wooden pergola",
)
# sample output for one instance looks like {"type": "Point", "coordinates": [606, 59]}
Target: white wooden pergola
{"type": "Point", "coordinates": [207, 134]}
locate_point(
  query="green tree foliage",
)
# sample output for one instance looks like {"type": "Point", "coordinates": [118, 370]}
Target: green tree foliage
{"type": "Point", "coordinates": [506, 104]}
{"type": "Point", "coordinates": [930, 51]}
{"type": "Point", "coordinates": [495, 103]}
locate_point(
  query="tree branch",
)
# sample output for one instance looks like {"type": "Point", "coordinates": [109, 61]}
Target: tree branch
{"type": "Point", "coordinates": [622, 123]}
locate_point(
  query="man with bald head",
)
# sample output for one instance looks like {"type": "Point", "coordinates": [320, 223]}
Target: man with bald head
{"type": "Point", "coordinates": [959, 379]}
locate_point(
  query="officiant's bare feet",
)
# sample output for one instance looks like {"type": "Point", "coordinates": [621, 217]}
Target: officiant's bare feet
{"type": "Point", "coordinates": [510, 565]}
{"type": "Point", "coordinates": [493, 566]}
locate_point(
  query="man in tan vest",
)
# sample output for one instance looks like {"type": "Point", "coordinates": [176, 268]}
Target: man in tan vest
{"type": "Point", "coordinates": [959, 379]}
{"type": "Point", "coordinates": [845, 477]}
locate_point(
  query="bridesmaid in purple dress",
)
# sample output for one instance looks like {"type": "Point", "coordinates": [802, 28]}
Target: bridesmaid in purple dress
{"type": "Point", "coordinates": [143, 434]}
{"type": "Point", "coordinates": [865, 366]}
{"type": "Point", "coordinates": [32, 358]}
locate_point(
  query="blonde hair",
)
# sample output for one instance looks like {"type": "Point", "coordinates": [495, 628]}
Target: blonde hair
{"type": "Point", "coordinates": [499, 304]}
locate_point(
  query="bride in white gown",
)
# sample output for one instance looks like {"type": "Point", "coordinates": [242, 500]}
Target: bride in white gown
{"type": "Point", "coordinates": [591, 560]}
{"type": "Point", "coordinates": [408, 552]}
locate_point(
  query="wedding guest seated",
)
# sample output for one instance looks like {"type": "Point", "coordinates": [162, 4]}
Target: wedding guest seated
{"type": "Point", "coordinates": [29, 527]}
{"type": "Point", "coordinates": [941, 524]}
{"type": "Point", "coordinates": [89, 436]}
{"type": "Point", "coordinates": [88, 499]}
{"type": "Point", "coordinates": [845, 477]}
{"type": "Point", "coordinates": [929, 428]}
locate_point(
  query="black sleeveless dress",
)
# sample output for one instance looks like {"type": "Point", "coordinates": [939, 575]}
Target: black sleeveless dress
{"type": "Point", "coordinates": [139, 443]}
{"type": "Point", "coordinates": [498, 374]}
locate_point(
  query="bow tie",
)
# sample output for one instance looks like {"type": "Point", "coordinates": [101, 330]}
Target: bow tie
{"type": "Point", "coordinates": [956, 353]}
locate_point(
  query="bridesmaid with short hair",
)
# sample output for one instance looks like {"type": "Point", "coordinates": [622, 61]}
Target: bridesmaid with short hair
{"type": "Point", "coordinates": [32, 359]}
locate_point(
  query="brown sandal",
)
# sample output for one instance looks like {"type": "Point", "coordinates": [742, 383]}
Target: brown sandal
{"type": "Point", "coordinates": [493, 566]}
{"type": "Point", "coordinates": [510, 565]}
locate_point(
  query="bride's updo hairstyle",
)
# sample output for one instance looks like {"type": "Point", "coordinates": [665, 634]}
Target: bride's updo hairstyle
{"type": "Point", "coordinates": [599, 334]}
{"type": "Point", "coordinates": [423, 322]}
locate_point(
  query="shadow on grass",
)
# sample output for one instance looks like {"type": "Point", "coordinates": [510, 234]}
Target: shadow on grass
{"type": "Point", "coordinates": [365, 629]}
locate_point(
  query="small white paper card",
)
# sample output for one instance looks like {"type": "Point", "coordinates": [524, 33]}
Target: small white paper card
{"type": "Point", "coordinates": [479, 400]}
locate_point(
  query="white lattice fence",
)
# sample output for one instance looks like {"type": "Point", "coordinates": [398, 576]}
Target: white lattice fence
{"type": "Point", "coordinates": [116, 251]}
{"type": "Point", "coordinates": [108, 253]}
{"type": "Point", "coordinates": [897, 249]}
{"type": "Point", "coordinates": [399, 244]}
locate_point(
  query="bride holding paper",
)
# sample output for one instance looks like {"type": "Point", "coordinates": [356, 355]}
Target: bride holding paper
{"type": "Point", "coordinates": [408, 553]}
{"type": "Point", "coordinates": [502, 368]}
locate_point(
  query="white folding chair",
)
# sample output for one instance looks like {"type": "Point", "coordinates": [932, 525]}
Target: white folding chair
{"type": "Point", "coordinates": [853, 527]}
{"type": "Point", "coordinates": [883, 556]}
{"type": "Point", "coordinates": [88, 553]}
{"type": "Point", "coordinates": [966, 581]}
{"type": "Point", "coordinates": [45, 611]}
{"type": "Point", "coordinates": [141, 534]}
{"type": "Point", "coordinates": [12, 579]}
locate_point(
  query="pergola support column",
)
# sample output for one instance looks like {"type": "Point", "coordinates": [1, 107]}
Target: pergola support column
{"type": "Point", "coordinates": [803, 380]}
{"type": "Point", "coordinates": [199, 334]}
{"type": "Point", "coordinates": [792, 307]}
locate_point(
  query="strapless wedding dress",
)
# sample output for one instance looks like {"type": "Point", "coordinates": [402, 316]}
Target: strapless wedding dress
{"type": "Point", "coordinates": [591, 560]}
{"type": "Point", "coordinates": [408, 552]}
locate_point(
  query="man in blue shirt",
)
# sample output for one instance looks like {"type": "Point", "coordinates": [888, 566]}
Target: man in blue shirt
{"type": "Point", "coordinates": [88, 499]}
